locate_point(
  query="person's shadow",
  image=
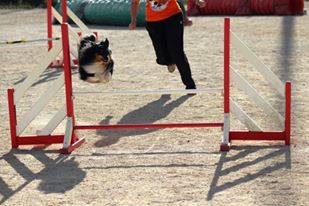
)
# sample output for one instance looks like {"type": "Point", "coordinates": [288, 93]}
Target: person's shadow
{"type": "Point", "coordinates": [147, 114]}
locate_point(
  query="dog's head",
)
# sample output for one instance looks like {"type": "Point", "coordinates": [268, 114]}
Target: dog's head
{"type": "Point", "coordinates": [95, 61]}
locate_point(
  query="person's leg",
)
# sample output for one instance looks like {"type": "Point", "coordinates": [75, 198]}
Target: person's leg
{"type": "Point", "coordinates": [174, 38]}
{"type": "Point", "coordinates": [157, 36]}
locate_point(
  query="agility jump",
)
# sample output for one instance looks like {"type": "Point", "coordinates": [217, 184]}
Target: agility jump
{"type": "Point", "coordinates": [51, 58]}
{"type": "Point", "coordinates": [70, 141]}
{"type": "Point", "coordinates": [75, 36]}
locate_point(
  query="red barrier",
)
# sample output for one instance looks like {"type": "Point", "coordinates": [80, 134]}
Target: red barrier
{"type": "Point", "coordinates": [297, 6]}
{"type": "Point", "coordinates": [247, 7]}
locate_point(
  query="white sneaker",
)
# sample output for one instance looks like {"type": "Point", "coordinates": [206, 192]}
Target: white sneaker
{"type": "Point", "coordinates": [171, 68]}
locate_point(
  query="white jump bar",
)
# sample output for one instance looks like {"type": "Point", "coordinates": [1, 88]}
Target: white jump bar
{"type": "Point", "coordinates": [135, 92]}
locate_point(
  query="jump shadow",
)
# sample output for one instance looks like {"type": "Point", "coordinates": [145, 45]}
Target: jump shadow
{"type": "Point", "coordinates": [276, 151]}
{"type": "Point", "coordinates": [150, 113]}
{"type": "Point", "coordinates": [58, 176]}
{"type": "Point", "coordinates": [144, 154]}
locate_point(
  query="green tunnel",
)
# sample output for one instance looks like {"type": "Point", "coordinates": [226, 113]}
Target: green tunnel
{"type": "Point", "coordinates": [105, 12]}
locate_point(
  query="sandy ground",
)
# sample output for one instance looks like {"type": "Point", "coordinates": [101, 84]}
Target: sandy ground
{"type": "Point", "coordinates": [166, 166]}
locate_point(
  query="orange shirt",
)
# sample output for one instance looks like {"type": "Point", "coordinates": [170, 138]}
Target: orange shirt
{"type": "Point", "coordinates": [157, 10]}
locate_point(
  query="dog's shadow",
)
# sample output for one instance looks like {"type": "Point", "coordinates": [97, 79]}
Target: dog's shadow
{"type": "Point", "coordinates": [150, 113]}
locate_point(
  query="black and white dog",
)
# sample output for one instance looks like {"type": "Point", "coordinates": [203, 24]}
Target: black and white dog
{"type": "Point", "coordinates": [95, 61]}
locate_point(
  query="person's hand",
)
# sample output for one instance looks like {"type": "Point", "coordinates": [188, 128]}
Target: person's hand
{"type": "Point", "coordinates": [201, 3]}
{"type": "Point", "coordinates": [132, 25]}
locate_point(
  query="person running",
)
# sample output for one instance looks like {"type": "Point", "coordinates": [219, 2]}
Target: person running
{"type": "Point", "coordinates": [164, 23]}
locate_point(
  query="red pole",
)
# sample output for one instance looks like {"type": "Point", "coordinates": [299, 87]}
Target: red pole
{"type": "Point", "coordinates": [225, 144]}
{"type": "Point", "coordinates": [288, 113]}
{"type": "Point", "coordinates": [49, 24]}
{"type": "Point", "coordinates": [64, 11]}
{"type": "Point", "coordinates": [12, 113]}
{"type": "Point", "coordinates": [68, 76]}
{"type": "Point", "coordinates": [226, 65]}
{"type": "Point", "coordinates": [67, 68]}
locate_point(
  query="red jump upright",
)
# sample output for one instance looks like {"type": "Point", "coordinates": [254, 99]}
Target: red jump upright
{"type": "Point", "coordinates": [283, 135]}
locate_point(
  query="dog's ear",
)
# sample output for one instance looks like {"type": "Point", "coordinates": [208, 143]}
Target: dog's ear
{"type": "Point", "coordinates": [87, 39]}
{"type": "Point", "coordinates": [105, 44]}
{"type": "Point", "coordinates": [92, 38]}
{"type": "Point", "coordinates": [82, 42]}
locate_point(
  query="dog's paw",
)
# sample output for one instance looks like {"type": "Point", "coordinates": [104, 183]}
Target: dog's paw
{"type": "Point", "coordinates": [104, 78]}
{"type": "Point", "coordinates": [93, 80]}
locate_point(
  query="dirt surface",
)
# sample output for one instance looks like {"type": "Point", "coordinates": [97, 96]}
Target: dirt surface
{"type": "Point", "coordinates": [159, 166]}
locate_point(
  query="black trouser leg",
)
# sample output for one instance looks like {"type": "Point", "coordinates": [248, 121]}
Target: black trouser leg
{"type": "Point", "coordinates": [157, 34]}
{"type": "Point", "coordinates": [167, 39]}
{"type": "Point", "coordinates": [174, 37]}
